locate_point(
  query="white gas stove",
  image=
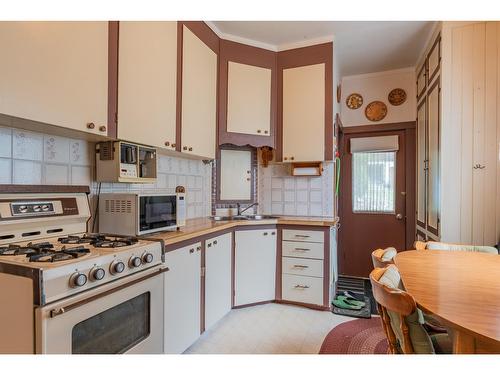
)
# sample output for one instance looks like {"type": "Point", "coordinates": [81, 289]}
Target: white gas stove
{"type": "Point", "coordinates": [74, 277]}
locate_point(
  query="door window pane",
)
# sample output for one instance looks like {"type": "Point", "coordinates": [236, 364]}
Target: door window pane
{"type": "Point", "coordinates": [373, 182]}
{"type": "Point", "coordinates": [115, 330]}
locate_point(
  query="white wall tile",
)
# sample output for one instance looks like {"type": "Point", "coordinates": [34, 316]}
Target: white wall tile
{"type": "Point", "coordinates": [277, 208]}
{"type": "Point", "coordinates": [289, 183]}
{"type": "Point", "coordinates": [81, 175]}
{"type": "Point", "coordinates": [276, 195]}
{"type": "Point", "coordinates": [5, 171]}
{"type": "Point", "coordinates": [26, 172]}
{"type": "Point", "coordinates": [27, 145]}
{"type": "Point", "coordinates": [302, 209]}
{"type": "Point", "coordinates": [81, 152]}
{"type": "Point", "coordinates": [316, 183]}
{"type": "Point", "coordinates": [5, 142]}
{"type": "Point", "coordinates": [277, 183]}
{"type": "Point", "coordinates": [302, 183]}
{"type": "Point", "coordinates": [55, 174]}
{"type": "Point", "coordinates": [315, 209]}
{"type": "Point", "coordinates": [289, 196]}
{"type": "Point", "coordinates": [56, 149]}
{"type": "Point", "coordinates": [289, 209]}
{"type": "Point", "coordinates": [315, 196]}
{"type": "Point", "coordinates": [302, 195]}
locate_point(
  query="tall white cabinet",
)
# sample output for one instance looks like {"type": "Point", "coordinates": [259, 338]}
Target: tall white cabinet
{"type": "Point", "coordinates": [470, 133]}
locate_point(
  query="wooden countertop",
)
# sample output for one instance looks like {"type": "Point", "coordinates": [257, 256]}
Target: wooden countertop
{"type": "Point", "coordinates": [462, 288]}
{"type": "Point", "coordinates": [203, 226]}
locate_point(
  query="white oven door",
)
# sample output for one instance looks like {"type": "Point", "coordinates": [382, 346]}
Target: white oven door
{"type": "Point", "coordinates": [127, 318]}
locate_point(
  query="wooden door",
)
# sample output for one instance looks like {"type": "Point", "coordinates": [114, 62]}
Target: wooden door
{"type": "Point", "coordinates": [248, 99]}
{"type": "Point", "coordinates": [218, 285]}
{"type": "Point", "coordinates": [255, 266]}
{"type": "Point", "coordinates": [147, 83]}
{"type": "Point", "coordinates": [56, 73]}
{"type": "Point", "coordinates": [199, 96]}
{"type": "Point", "coordinates": [304, 113]}
{"type": "Point", "coordinates": [373, 198]}
{"type": "Point", "coordinates": [182, 298]}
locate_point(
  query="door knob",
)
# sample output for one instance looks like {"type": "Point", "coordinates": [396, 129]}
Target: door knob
{"type": "Point", "coordinates": [399, 216]}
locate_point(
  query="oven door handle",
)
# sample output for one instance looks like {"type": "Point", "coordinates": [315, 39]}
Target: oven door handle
{"type": "Point", "coordinates": [61, 310]}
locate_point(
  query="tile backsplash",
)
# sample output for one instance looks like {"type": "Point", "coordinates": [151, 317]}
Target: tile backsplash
{"type": "Point", "coordinates": [282, 194]}
{"type": "Point", "coordinates": [34, 158]}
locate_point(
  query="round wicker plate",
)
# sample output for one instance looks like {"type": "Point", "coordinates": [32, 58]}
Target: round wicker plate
{"type": "Point", "coordinates": [397, 96]}
{"type": "Point", "coordinates": [354, 101]}
{"type": "Point", "coordinates": [376, 111]}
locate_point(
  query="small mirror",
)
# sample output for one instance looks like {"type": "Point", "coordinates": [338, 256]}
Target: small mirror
{"type": "Point", "coordinates": [235, 174]}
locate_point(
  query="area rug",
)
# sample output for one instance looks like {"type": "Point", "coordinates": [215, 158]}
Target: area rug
{"type": "Point", "coordinates": [359, 336]}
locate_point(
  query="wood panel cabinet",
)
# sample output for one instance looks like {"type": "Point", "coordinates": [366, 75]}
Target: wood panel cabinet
{"type": "Point", "coordinates": [255, 266]}
{"type": "Point", "coordinates": [247, 106]}
{"type": "Point", "coordinates": [428, 144]}
{"type": "Point", "coordinates": [182, 298]}
{"type": "Point", "coordinates": [218, 286]}
{"type": "Point", "coordinates": [305, 100]}
{"type": "Point", "coordinates": [57, 73]}
{"type": "Point", "coordinates": [147, 82]}
{"type": "Point", "coordinates": [199, 90]}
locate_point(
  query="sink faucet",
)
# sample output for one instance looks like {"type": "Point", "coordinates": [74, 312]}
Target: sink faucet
{"type": "Point", "coordinates": [240, 211]}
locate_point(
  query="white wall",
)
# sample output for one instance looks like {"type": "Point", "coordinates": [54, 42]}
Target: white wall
{"type": "Point", "coordinates": [376, 86]}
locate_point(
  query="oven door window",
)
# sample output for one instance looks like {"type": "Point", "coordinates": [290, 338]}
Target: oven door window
{"type": "Point", "coordinates": [115, 330]}
{"type": "Point", "coordinates": [157, 212]}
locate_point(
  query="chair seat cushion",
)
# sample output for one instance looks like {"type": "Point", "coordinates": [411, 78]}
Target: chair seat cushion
{"type": "Point", "coordinates": [431, 245]}
{"type": "Point", "coordinates": [389, 254]}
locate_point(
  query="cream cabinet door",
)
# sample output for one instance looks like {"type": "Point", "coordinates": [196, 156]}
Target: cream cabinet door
{"type": "Point", "coordinates": [235, 175]}
{"type": "Point", "coordinates": [55, 72]}
{"type": "Point", "coordinates": [433, 199]}
{"type": "Point", "coordinates": [199, 96]}
{"type": "Point", "coordinates": [248, 99]}
{"type": "Point", "coordinates": [182, 298]}
{"type": "Point", "coordinates": [421, 164]}
{"type": "Point", "coordinates": [218, 286]}
{"type": "Point", "coordinates": [147, 81]}
{"type": "Point", "coordinates": [304, 113]}
{"type": "Point", "coordinates": [255, 266]}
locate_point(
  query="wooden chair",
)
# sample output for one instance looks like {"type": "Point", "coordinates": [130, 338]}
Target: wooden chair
{"type": "Point", "coordinates": [383, 257]}
{"type": "Point", "coordinates": [401, 319]}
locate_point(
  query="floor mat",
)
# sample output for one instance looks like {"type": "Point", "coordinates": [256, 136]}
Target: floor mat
{"type": "Point", "coordinates": [365, 312]}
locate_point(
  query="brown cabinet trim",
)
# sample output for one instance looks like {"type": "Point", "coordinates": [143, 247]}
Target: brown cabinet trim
{"type": "Point", "coordinates": [437, 43]}
{"type": "Point", "coordinates": [244, 54]}
{"type": "Point", "coordinates": [113, 39]}
{"type": "Point", "coordinates": [377, 128]}
{"type": "Point", "coordinates": [317, 54]}
{"type": "Point", "coordinates": [424, 88]}
{"type": "Point", "coordinates": [41, 189]}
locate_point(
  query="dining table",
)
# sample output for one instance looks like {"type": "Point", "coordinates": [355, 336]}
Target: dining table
{"type": "Point", "coordinates": [461, 290]}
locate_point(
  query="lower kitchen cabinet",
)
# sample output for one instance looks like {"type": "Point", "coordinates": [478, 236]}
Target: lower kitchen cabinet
{"type": "Point", "coordinates": [182, 298]}
{"type": "Point", "coordinates": [217, 278]}
{"type": "Point", "coordinates": [255, 266]}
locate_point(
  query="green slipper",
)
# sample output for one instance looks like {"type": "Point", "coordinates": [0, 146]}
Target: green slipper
{"type": "Point", "coordinates": [342, 305]}
{"type": "Point", "coordinates": [351, 301]}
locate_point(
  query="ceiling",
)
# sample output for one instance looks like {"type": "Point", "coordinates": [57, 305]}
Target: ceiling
{"type": "Point", "coordinates": [360, 46]}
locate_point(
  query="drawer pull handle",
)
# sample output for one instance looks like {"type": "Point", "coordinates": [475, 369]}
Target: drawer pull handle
{"type": "Point", "coordinates": [300, 266]}
{"type": "Point", "coordinates": [298, 286]}
{"type": "Point", "coordinates": [302, 235]}
{"type": "Point", "coordinates": [56, 312]}
{"type": "Point", "coordinates": [301, 249]}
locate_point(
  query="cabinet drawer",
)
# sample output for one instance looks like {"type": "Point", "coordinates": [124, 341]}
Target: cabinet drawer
{"type": "Point", "coordinates": [302, 267]}
{"type": "Point", "coordinates": [303, 235]}
{"type": "Point", "coordinates": [303, 249]}
{"type": "Point", "coordinates": [304, 289]}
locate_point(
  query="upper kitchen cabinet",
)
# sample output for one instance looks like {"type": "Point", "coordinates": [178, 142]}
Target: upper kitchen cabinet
{"type": "Point", "coordinates": [305, 104]}
{"type": "Point", "coordinates": [198, 115]}
{"type": "Point", "coordinates": [147, 83]}
{"type": "Point", "coordinates": [60, 73]}
{"type": "Point", "coordinates": [247, 87]}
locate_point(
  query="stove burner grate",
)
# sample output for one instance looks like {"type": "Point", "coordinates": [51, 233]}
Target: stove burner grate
{"type": "Point", "coordinates": [99, 240]}
{"type": "Point", "coordinates": [57, 256]}
{"type": "Point", "coordinates": [29, 249]}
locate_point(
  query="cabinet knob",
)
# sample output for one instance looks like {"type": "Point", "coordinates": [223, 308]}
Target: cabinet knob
{"type": "Point", "coordinates": [90, 125]}
{"type": "Point", "coordinates": [215, 242]}
{"type": "Point", "coordinates": [167, 143]}
{"type": "Point", "coordinates": [273, 233]}
{"type": "Point", "coordinates": [102, 128]}
{"type": "Point", "coordinates": [292, 158]}
{"type": "Point", "coordinates": [173, 145]}
{"type": "Point", "coordinates": [209, 244]}
{"type": "Point", "coordinates": [265, 233]}
{"type": "Point", "coordinates": [285, 158]}
{"type": "Point", "coordinates": [185, 148]}
{"type": "Point", "coordinates": [258, 131]}
{"type": "Point", "coordinates": [190, 149]}
{"type": "Point", "coordinates": [191, 251]}
{"type": "Point", "coordinates": [198, 248]}
{"type": "Point", "coordinates": [248, 179]}
{"type": "Point", "coordinates": [266, 132]}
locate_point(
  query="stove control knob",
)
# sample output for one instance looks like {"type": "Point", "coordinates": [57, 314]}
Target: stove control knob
{"type": "Point", "coordinates": [23, 209]}
{"type": "Point", "coordinates": [134, 262]}
{"type": "Point", "coordinates": [77, 279]}
{"type": "Point", "coordinates": [45, 207]}
{"type": "Point", "coordinates": [147, 258]}
{"type": "Point", "coordinates": [116, 267]}
{"type": "Point", "coordinates": [97, 273]}
{"type": "Point", "coordinates": [37, 208]}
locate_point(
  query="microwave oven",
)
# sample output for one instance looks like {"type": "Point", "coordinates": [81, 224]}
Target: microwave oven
{"type": "Point", "coordinates": [134, 214]}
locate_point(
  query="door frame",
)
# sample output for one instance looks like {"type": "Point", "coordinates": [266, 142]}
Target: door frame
{"type": "Point", "coordinates": [409, 129]}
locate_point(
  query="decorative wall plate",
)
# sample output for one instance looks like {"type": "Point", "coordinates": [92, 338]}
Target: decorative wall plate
{"type": "Point", "coordinates": [376, 111]}
{"type": "Point", "coordinates": [354, 101]}
{"type": "Point", "coordinates": [397, 96]}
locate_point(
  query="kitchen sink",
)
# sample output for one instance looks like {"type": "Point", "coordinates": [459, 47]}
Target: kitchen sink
{"type": "Point", "coordinates": [243, 217]}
